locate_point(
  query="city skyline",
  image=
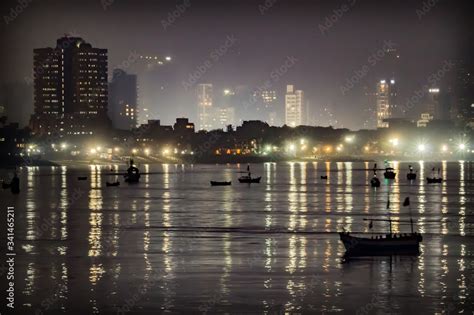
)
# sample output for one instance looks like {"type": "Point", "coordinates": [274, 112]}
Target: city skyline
{"type": "Point", "coordinates": [326, 77]}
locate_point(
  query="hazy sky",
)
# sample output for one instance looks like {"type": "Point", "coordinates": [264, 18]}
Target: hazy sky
{"type": "Point", "coordinates": [264, 34]}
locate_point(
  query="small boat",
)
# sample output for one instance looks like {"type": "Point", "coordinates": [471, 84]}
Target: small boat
{"type": "Point", "coordinates": [388, 244]}
{"type": "Point", "coordinates": [375, 182]}
{"type": "Point", "coordinates": [248, 178]}
{"type": "Point", "coordinates": [324, 177]}
{"type": "Point", "coordinates": [434, 179]}
{"type": "Point", "coordinates": [389, 173]}
{"type": "Point", "coordinates": [133, 173]}
{"type": "Point", "coordinates": [117, 183]}
{"type": "Point", "coordinates": [215, 183]}
{"type": "Point", "coordinates": [82, 178]}
{"type": "Point", "coordinates": [411, 175]}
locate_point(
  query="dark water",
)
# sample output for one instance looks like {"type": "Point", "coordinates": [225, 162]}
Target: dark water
{"type": "Point", "coordinates": [173, 243]}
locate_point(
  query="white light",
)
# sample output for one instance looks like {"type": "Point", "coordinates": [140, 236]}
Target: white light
{"type": "Point", "coordinates": [392, 81]}
{"type": "Point", "coordinates": [421, 147]}
{"type": "Point", "coordinates": [444, 148]}
{"type": "Point", "coordinates": [462, 146]}
{"type": "Point", "coordinates": [168, 58]}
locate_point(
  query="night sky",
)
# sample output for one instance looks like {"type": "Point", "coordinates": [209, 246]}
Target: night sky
{"type": "Point", "coordinates": [263, 42]}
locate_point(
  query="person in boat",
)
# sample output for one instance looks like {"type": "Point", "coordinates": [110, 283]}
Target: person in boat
{"type": "Point", "coordinates": [15, 184]}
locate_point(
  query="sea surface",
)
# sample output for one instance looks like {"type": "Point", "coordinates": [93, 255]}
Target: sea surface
{"type": "Point", "coordinates": [172, 243]}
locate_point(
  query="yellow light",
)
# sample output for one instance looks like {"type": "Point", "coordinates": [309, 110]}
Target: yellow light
{"type": "Point", "coordinates": [116, 149]}
{"type": "Point", "coordinates": [147, 151]}
{"type": "Point", "coordinates": [93, 151]}
{"type": "Point", "coordinates": [134, 151]}
{"type": "Point", "coordinates": [444, 148]}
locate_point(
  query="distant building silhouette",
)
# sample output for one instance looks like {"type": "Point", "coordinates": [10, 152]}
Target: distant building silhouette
{"type": "Point", "coordinates": [386, 97]}
{"type": "Point", "coordinates": [70, 88]}
{"type": "Point", "coordinates": [293, 106]}
{"type": "Point", "coordinates": [123, 100]}
{"type": "Point", "coordinates": [204, 104]}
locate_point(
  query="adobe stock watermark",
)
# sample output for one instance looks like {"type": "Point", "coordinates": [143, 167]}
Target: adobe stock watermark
{"type": "Point", "coordinates": [265, 6]}
{"type": "Point", "coordinates": [106, 4]}
{"type": "Point", "coordinates": [337, 14]}
{"type": "Point", "coordinates": [275, 76]}
{"type": "Point", "coordinates": [433, 80]}
{"type": "Point", "coordinates": [214, 56]}
{"type": "Point", "coordinates": [16, 11]}
{"type": "Point", "coordinates": [175, 14]}
{"type": "Point", "coordinates": [426, 7]}
{"type": "Point", "coordinates": [362, 72]}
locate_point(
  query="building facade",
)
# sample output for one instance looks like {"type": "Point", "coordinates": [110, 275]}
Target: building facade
{"type": "Point", "coordinates": [205, 106]}
{"type": "Point", "coordinates": [70, 88]}
{"type": "Point", "coordinates": [293, 106]}
{"type": "Point", "coordinates": [386, 96]}
{"type": "Point", "coordinates": [123, 100]}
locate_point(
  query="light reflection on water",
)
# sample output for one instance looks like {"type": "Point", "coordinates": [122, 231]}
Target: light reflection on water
{"type": "Point", "coordinates": [270, 246]}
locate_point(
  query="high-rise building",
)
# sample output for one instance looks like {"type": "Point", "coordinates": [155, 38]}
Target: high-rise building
{"type": "Point", "coordinates": [293, 106]}
{"type": "Point", "coordinates": [123, 100]}
{"type": "Point", "coordinates": [204, 102]}
{"type": "Point", "coordinates": [70, 88]}
{"type": "Point", "coordinates": [433, 104]}
{"type": "Point", "coordinates": [386, 97]}
{"type": "Point", "coordinates": [223, 117]}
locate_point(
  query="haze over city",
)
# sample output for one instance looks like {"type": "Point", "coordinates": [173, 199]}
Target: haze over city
{"type": "Point", "coordinates": [329, 51]}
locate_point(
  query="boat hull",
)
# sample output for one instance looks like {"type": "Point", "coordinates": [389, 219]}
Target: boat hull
{"type": "Point", "coordinates": [390, 175]}
{"type": "Point", "coordinates": [213, 183]}
{"type": "Point", "coordinates": [434, 180]}
{"type": "Point", "coordinates": [250, 180]}
{"type": "Point", "coordinates": [388, 245]}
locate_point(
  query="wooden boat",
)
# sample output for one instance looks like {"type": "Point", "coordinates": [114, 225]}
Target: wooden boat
{"type": "Point", "coordinates": [411, 175]}
{"type": "Point", "coordinates": [388, 244]}
{"type": "Point", "coordinates": [434, 179]}
{"type": "Point", "coordinates": [215, 183]}
{"type": "Point", "coordinates": [324, 177]}
{"type": "Point", "coordinates": [389, 173]}
{"type": "Point", "coordinates": [248, 178]}
{"type": "Point", "coordinates": [82, 178]}
{"type": "Point", "coordinates": [133, 173]}
{"type": "Point", "coordinates": [375, 182]}
{"type": "Point", "coordinates": [117, 183]}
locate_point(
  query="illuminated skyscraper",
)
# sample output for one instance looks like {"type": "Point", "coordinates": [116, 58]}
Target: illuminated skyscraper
{"type": "Point", "coordinates": [204, 102]}
{"type": "Point", "coordinates": [293, 106]}
{"type": "Point", "coordinates": [70, 88]}
{"type": "Point", "coordinates": [386, 97]}
{"type": "Point", "coordinates": [123, 100]}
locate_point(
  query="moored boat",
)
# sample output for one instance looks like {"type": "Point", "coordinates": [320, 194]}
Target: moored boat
{"type": "Point", "coordinates": [82, 178]}
{"type": "Point", "coordinates": [216, 183]}
{"type": "Point", "coordinates": [434, 179]}
{"type": "Point", "coordinates": [248, 178]}
{"type": "Point", "coordinates": [387, 244]}
{"type": "Point", "coordinates": [114, 184]}
{"type": "Point", "coordinates": [133, 173]}
{"type": "Point", "coordinates": [411, 175]}
{"type": "Point", "coordinates": [389, 173]}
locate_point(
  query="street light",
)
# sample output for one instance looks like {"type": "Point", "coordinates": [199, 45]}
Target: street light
{"type": "Point", "coordinates": [421, 147]}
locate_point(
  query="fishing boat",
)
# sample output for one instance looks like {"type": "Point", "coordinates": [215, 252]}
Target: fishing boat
{"type": "Point", "coordinates": [248, 178]}
{"type": "Point", "coordinates": [114, 184]}
{"type": "Point", "coordinates": [82, 178]}
{"type": "Point", "coordinates": [324, 177]}
{"type": "Point", "coordinates": [215, 183]}
{"type": "Point", "coordinates": [389, 173]}
{"type": "Point", "coordinates": [387, 244]}
{"type": "Point", "coordinates": [375, 182]}
{"type": "Point", "coordinates": [434, 179]}
{"type": "Point", "coordinates": [411, 175]}
{"type": "Point", "coordinates": [133, 173]}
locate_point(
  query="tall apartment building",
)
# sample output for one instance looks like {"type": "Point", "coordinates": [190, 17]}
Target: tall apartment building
{"type": "Point", "coordinates": [70, 88]}
{"type": "Point", "coordinates": [386, 97]}
{"type": "Point", "coordinates": [123, 100]}
{"type": "Point", "coordinates": [293, 106]}
{"type": "Point", "coordinates": [205, 106]}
